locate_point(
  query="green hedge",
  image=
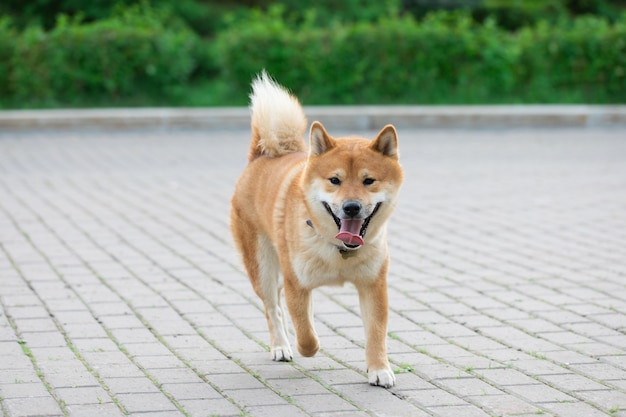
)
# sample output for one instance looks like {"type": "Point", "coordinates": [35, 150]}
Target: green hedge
{"type": "Point", "coordinates": [445, 57]}
{"type": "Point", "coordinates": [135, 51]}
{"type": "Point", "coordinates": [586, 54]}
{"type": "Point", "coordinates": [7, 51]}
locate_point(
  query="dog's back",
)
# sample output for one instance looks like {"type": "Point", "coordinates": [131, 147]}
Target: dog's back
{"type": "Point", "coordinates": [276, 151]}
{"type": "Point", "coordinates": [278, 122]}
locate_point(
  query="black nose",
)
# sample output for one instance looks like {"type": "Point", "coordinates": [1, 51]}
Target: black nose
{"type": "Point", "coordinates": [351, 208]}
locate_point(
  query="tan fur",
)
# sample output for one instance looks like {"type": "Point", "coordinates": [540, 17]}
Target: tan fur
{"type": "Point", "coordinates": [281, 189]}
{"type": "Point", "coordinates": [277, 119]}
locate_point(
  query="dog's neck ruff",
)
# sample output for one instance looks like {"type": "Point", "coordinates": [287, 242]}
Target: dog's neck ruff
{"type": "Point", "coordinates": [345, 253]}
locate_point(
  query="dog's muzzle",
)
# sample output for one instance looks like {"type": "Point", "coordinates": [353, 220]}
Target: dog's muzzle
{"type": "Point", "coordinates": [351, 230]}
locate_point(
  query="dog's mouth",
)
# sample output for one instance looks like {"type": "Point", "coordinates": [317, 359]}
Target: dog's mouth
{"type": "Point", "coordinates": [351, 231]}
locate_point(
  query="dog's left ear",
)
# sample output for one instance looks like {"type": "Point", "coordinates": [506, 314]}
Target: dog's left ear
{"type": "Point", "coordinates": [319, 140]}
{"type": "Point", "coordinates": [386, 142]}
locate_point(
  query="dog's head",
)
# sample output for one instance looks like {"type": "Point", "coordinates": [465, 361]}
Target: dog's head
{"type": "Point", "coordinates": [351, 184]}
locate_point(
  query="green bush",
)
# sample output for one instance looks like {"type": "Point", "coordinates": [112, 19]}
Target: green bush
{"type": "Point", "coordinates": [7, 50]}
{"type": "Point", "coordinates": [513, 15]}
{"type": "Point", "coordinates": [45, 12]}
{"type": "Point", "coordinates": [586, 54]}
{"type": "Point", "coordinates": [394, 60]}
{"type": "Point", "coordinates": [328, 11]}
{"type": "Point", "coordinates": [143, 55]}
{"type": "Point", "coordinates": [120, 56]}
{"type": "Point", "coordinates": [446, 57]}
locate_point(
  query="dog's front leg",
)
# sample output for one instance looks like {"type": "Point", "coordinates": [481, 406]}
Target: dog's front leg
{"type": "Point", "coordinates": [300, 306]}
{"type": "Point", "coordinates": [373, 302]}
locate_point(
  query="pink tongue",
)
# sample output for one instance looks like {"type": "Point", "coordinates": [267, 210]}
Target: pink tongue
{"type": "Point", "coordinates": [349, 232]}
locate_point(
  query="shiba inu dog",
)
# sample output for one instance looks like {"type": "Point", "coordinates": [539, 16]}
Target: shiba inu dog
{"type": "Point", "coordinates": [319, 217]}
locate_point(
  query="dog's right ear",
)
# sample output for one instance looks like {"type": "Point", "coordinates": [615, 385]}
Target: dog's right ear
{"type": "Point", "coordinates": [319, 140]}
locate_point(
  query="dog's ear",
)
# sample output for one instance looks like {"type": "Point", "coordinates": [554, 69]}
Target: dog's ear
{"type": "Point", "coordinates": [319, 140]}
{"type": "Point", "coordinates": [386, 142]}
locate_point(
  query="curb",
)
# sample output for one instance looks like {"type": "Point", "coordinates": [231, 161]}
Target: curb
{"type": "Point", "coordinates": [334, 117]}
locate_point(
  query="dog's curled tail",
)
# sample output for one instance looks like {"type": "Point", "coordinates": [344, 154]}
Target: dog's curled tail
{"type": "Point", "coordinates": [278, 121]}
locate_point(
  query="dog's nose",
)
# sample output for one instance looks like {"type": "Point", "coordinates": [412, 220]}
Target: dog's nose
{"type": "Point", "coordinates": [351, 208]}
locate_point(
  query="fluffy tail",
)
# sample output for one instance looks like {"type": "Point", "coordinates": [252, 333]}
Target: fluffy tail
{"type": "Point", "coordinates": [278, 121]}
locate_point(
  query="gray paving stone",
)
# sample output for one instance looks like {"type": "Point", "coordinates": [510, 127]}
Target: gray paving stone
{"type": "Point", "coordinates": [539, 393]}
{"type": "Point", "coordinates": [254, 397]}
{"type": "Point", "coordinates": [595, 349]}
{"type": "Point", "coordinates": [506, 284]}
{"type": "Point", "coordinates": [439, 371]}
{"type": "Point", "coordinates": [459, 410]}
{"type": "Point", "coordinates": [146, 402]}
{"type": "Point", "coordinates": [153, 348]}
{"type": "Point", "coordinates": [174, 375]}
{"type": "Point", "coordinates": [100, 410]}
{"type": "Point", "coordinates": [338, 377]}
{"type": "Point", "coordinates": [344, 414]}
{"type": "Point", "coordinates": [536, 367]}
{"type": "Point", "coordinates": [19, 376]}
{"type": "Point", "coordinates": [120, 370]}
{"type": "Point", "coordinates": [565, 357]}
{"type": "Point", "coordinates": [68, 374]}
{"type": "Point", "coordinates": [299, 386]}
{"type": "Point", "coordinates": [44, 339]}
{"type": "Point", "coordinates": [168, 413]}
{"type": "Point", "coordinates": [44, 406]}
{"type": "Point", "coordinates": [23, 390]}
{"type": "Point", "coordinates": [433, 398]}
{"type": "Point", "coordinates": [233, 381]}
{"type": "Point", "coordinates": [83, 395]}
{"type": "Point", "coordinates": [210, 407]}
{"type": "Point", "coordinates": [568, 382]}
{"type": "Point", "coordinates": [323, 403]}
{"type": "Point", "coordinates": [503, 404]}
{"type": "Point", "coordinates": [605, 399]}
{"type": "Point", "coordinates": [575, 409]}
{"type": "Point", "coordinates": [29, 312]}
{"type": "Point", "coordinates": [600, 371]}
{"type": "Point", "coordinates": [506, 377]}
{"type": "Point", "coordinates": [379, 401]}
{"type": "Point", "coordinates": [130, 385]}
{"type": "Point", "coordinates": [191, 391]}
{"type": "Point", "coordinates": [159, 362]}
{"type": "Point", "coordinates": [468, 386]}
{"type": "Point", "coordinates": [217, 366]}
{"type": "Point", "coordinates": [282, 411]}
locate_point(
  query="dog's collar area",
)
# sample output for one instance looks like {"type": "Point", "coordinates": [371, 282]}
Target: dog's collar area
{"type": "Point", "coordinates": [345, 253]}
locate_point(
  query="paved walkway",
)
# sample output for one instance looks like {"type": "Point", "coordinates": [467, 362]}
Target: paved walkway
{"type": "Point", "coordinates": [121, 294]}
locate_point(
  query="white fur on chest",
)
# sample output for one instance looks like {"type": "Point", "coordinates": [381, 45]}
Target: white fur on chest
{"type": "Point", "coordinates": [322, 264]}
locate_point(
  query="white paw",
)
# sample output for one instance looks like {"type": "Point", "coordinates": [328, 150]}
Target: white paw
{"type": "Point", "coordinates": [282, 354]}
{"type": "Point", "coordinates": [381, 377]}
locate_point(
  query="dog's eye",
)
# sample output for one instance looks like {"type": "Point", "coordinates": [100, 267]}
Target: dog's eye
{"type": "Point", "coordinates": [368, 181]}
{"type": "Point", "coordinates": [335, 181]}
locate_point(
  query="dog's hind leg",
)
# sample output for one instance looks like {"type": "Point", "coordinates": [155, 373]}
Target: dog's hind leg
{"type": "Point", "coordinates": [271, 288]}
{"type": "Point", "coordinates": [265, 278]}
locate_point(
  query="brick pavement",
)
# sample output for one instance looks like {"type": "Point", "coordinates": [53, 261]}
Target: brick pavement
{"type": "Point", "coordinates": [121, 294]}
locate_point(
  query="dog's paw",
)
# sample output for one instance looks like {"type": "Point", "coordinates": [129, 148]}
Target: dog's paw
{"type": "Point", "coordinates": [381, 377]}
{"type": "Point", "coordinates": [282, 354]}
{"type": "Point", "coordinates": [310, 349]}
